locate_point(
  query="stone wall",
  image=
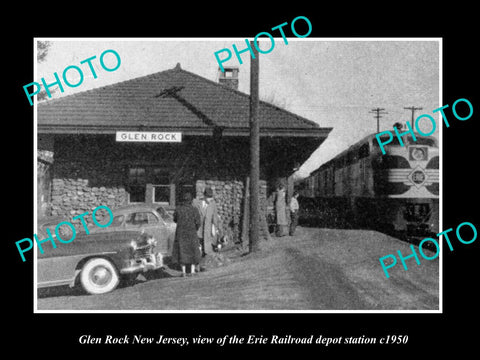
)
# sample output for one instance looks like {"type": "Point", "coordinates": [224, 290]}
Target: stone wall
{"type": "Point", "coordinates": [80, 187]}
{"type": "Point", "coordinates": [71, 197]}
{"type": "Point", "coordinates": [44, 178]}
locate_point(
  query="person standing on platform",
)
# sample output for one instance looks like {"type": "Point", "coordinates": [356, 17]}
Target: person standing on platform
{"type": "Point", "coordinates": [201, 205]}
{"type": "Point", "coordinates": [281, 211]}
{"type": "Point", "coordinates": [211, 222]}
{"type": "Point", "coordinates": [294, 207]}
{"type": "Point", "coordinates": [186, 247]}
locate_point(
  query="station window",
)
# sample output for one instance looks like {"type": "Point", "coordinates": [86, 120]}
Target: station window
{"type": "Point", "coordinates": [137, 193]}
{"type": "Point", "coordinates": [153, 185]}
{"type": "Point", "coordinates": [136, 175]}
{"type": "Point", "coordinates": [137, 184]}
{"type": "Point", "coordinates": [161, 187]}
{"type": "Point", "coordinates": [161, 194]}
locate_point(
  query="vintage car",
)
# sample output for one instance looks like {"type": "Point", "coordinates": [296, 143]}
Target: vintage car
{"type": "Point", "coordinates": [137, 240]}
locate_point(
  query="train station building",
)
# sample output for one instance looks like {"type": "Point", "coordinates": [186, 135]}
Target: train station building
{"type": "Point", "coordinates": [149, 139]}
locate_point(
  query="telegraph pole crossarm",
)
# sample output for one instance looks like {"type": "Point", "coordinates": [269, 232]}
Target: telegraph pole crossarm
{"type": "Point", "coordinates": [378, 112]}
{"type": "Point", "coordinates": [413, 108]}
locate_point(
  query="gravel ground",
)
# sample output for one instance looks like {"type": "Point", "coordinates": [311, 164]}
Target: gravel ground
{"type": "Point", "coordinates": [317, 269]}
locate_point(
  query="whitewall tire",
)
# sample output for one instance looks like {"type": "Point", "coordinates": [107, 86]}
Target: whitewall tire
{"type": "Point", "coordinates": [99, 276]}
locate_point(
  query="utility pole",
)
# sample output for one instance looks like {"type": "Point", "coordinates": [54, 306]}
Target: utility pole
{"type": "Point", "coordinates": [379, 111]}
{"type": "Point", "coordinates": [413, 108]}
{"type": "Point", "coordinates": [254, 233]}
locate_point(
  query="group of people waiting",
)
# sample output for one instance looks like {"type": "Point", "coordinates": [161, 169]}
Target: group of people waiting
{"type": "Point", "coordinates": [197, 230]}
{"type": "Point", "coordinates": [283, 225]}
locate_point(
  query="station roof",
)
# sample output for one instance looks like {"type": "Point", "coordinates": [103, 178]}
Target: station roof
{"type": "Point", "coordinates": [171, 100]}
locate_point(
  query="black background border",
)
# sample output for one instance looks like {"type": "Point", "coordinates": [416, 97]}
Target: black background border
{"type": "Point", "coordinates": [428, 333]}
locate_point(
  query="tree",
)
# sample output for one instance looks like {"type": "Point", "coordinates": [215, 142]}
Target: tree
{"type": "Point", "coordinates": [43, 48]}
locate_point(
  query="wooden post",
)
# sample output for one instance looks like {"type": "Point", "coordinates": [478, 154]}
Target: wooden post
{"type": "Point", "coordinates": [246, 214]}
{"type": "Point", "coordinates": [254, 153]}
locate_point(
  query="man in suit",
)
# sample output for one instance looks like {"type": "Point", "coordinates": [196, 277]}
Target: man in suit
{"type": "Point", "coordinates": [211, 222]}
{"type": "Point", "coordinates": [201, 205]}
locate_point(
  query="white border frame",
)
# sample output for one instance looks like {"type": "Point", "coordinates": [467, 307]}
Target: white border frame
{"type": "Point", "coordinates": [439, 311]}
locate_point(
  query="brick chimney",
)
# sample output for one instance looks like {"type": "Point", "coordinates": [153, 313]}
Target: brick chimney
{"type": "Point", "coordinates": [229, 77]}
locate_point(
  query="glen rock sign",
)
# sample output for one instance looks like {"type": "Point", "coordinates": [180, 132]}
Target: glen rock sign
{"type": "Point", "coordinates": [146, 136]}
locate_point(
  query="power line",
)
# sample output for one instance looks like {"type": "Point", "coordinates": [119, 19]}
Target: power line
{"type": "Point", "coordinates": [379, 112]}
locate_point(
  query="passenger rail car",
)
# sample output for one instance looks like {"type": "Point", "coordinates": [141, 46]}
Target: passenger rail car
{"type": "Point", "coordinates": [397, 191]}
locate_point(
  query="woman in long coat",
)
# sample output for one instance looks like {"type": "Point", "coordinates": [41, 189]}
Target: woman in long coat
{"type": "Point", "coordinates": [186, 247]}
{"type": "Point", "coordinates": [201, 205]}
{"type": "Point", "coordinates": [281, 211]}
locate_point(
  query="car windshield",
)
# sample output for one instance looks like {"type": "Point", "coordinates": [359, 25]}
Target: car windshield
{"type": "Point", "coordinates": [384, 140]}
{"type": "Point", "coordinates": [164, 214]}
{"type": "Point", "coordinates": [141, 218]}
{"type": "Point", "coordinates": [421, 140]}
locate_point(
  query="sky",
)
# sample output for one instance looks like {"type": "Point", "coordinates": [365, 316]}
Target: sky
{"type": "Point", "coordinates": [333, 82]}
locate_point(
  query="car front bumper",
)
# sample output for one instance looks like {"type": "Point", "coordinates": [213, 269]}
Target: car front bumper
{"type": "Point", "coordinates": [152, 262]}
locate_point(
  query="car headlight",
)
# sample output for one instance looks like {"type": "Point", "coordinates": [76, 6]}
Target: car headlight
{"type": "Point", "coordinates": [418, 154]}
{"type": "Point", "coordinates": [133, 244]}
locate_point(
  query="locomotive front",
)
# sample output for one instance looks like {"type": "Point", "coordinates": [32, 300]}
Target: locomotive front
{"type": "Point", "coordinates": [407, 178]}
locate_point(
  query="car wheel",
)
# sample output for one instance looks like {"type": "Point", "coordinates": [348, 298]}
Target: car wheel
{"type": "Point", "coordinates": [99, 276]}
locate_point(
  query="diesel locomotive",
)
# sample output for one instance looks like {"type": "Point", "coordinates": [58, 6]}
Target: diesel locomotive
{"type": "Point", "coordinates": [396, 191]}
